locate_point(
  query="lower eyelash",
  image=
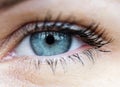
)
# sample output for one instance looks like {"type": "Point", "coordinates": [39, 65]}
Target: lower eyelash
{"type": "Point", "coordinates": [52, 62]}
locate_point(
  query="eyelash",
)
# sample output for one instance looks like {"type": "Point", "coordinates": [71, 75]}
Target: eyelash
{"type": "Point", "coordinates": [89, 34]}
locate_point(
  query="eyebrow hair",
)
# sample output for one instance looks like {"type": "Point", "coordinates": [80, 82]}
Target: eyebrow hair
{"type": "Point", "coordinates": [9, 3]}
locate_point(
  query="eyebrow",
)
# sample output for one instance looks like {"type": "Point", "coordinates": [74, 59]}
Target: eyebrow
{"type": "Point", "coordinates": [9, 3]}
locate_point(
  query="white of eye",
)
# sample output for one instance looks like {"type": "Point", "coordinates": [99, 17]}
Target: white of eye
{"type": "Point", "coordinates": [76, 43]}
{"type": "Point", "coordinates": [24, 48]}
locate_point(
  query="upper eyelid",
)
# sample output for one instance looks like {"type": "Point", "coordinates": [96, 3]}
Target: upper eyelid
{"type": "Point", "coordinates": [36, 19]}
{"type": "Point", "coordinates": [23, 19]}
{"type": "Point", "coordinates": [49, 18]}
{"type": "Point", "coordinates": [70, 13]}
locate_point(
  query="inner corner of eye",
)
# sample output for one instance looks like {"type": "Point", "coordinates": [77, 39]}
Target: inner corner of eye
{"type": "Point", "coordinates": [48, 44]}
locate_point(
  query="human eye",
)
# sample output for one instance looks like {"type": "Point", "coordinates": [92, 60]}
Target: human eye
{"type": "Point", "coordinates": [55, 41]}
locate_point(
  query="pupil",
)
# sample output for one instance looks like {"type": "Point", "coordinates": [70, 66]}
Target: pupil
{"type": "Point", "coordinates": [50, 39]}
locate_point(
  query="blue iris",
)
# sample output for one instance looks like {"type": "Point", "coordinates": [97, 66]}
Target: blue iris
{"type": "Point", "coordinates": [50, 43]}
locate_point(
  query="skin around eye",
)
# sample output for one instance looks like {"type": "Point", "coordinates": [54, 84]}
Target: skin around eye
{"type": "Point", "coordinates": [84, 68]}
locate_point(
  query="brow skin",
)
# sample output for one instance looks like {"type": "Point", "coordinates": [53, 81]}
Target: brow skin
{"type": "Point", "coordinates": [4, 4]}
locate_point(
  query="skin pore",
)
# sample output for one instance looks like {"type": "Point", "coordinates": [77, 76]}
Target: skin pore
{"type": "Point", "coordinates": [103, 73]}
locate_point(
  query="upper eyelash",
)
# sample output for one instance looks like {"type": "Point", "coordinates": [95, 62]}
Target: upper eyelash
{"type": "Point", "coordinates": [92, 30]}
{"type": "Point", "coordinates": [89, 34]}
{"type": "Point", "coordinates": [94, 38]}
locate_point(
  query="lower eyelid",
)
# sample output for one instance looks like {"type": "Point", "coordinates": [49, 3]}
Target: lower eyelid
{"type": "Point", "coordinates": [83, 57]}
{"type": "Point", "coordinates": [80, 51]}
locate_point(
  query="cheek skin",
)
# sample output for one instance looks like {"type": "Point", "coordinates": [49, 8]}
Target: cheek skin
{"type": "Point", "coordinates": [101, 73]}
